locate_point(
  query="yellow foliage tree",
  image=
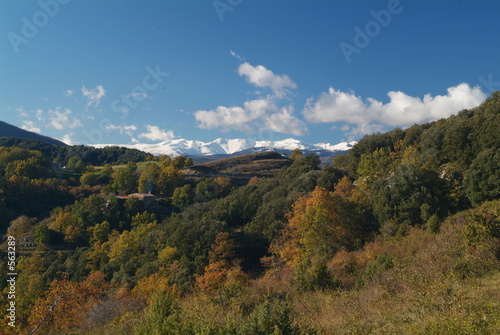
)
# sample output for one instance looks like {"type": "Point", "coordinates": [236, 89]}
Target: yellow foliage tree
{"type": "Point", "coordinates": [223, 269]}
{"type": "Point", "coordinates": [318, 225]}
{"type": "Point", "coordinates": [62, 308]}
{"type": "Point", "coordinates": [148, 286]}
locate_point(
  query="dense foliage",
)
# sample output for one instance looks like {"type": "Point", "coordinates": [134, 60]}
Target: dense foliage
{"type": "Point", "coordinates": [61, 155]}
{"type": "Point", "coordinates": [400, 235]}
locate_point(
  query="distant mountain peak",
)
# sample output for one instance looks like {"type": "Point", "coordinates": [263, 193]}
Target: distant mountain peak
{"type": "Point", "coordinates": [222, 146]}
{"type": "Point", "coordinates": [8, 130]}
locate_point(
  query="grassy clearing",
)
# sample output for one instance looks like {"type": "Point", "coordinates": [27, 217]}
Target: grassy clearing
{"type": "Point", "coordinates": [141, 166]}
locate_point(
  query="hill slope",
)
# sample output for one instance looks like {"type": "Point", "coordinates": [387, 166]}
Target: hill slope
{"type": "Point", "coordinates": [245, 166]}
{"type": "Point", "coordinates": [60, 154]}
{"type": "Point", "coordinates": [8, 130]}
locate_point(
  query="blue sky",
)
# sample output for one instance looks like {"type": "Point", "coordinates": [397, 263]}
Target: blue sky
{"type": "Point", "coordinates": [121, 71]}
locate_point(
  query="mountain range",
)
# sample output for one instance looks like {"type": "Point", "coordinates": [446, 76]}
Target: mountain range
{"type": "Point", "coordinates": [238, 146]}
{"type": "Point", "coordinates": [218, 148]}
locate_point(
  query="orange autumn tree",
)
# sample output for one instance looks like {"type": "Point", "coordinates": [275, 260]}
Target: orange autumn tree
{"type": "Point", "coordinates": [223, 269]}
{"type": "Point", "coordinates": [62, 309]}
{"type": "Point", "coordinates": [318, 225]}
{"type": "Point", "coordinates": [315, 227]}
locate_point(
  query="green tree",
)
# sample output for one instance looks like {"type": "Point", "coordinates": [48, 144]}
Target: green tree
{"type": "Point", "coordinates": [89, 178]}
{"type": "Point", "coordinates": [375, 164]}
{"type": "Point", "coordinates": [143, 218]}
{"type": "Point", "coordinates": [188, 162]}
{"type": "Point", "coordinates": [148, 181]}
{"type": "Point", "coordinates": [132, 166]}
{"type": "Point", "coordinates": [100, 232]}
{"type": "Point", "coordinates": [125, 181]}
{"type": "Point", "coordinates": [169, 179]}
{"type": "Point", "coordinates": [107, 170]}
{"type": "Point", "coordinates": [90, 210]}
{"type": "Point", "coordinates": [205, 190]}
{"type": "Point", "coordinates": [411, 195]}
{"type": "Point", "coordinates": [181, 162]}
{"type": "Point", "coordinates": [182, 196]}
{"type": "Point", "coordinates": [132, 206]}
{"type": "Point", "coordinates": [160, 316]}
{"type": "Point", "coordinates": [27, 163]}
{"type": "Point", "coordinates": [482, 181]}
{"type": "Point", "coordinates": [345, 163]}
{"type": "Point", "coordinates": [75, 163]}
{"type": "Point", "coordinates": [165, 161]}
{"type": "Point", "coordinates": [44, 235]}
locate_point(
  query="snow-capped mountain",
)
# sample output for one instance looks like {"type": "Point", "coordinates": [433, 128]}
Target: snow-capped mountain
{"type": "Point", "coordinates": [220, 146]}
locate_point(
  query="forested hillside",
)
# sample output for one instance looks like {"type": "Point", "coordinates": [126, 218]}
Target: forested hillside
{"type": "Point", "coordinates": [401, 235]}
{"type": "Point", "coordinates": [61, 155]}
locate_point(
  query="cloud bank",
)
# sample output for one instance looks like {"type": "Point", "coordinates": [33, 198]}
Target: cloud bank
{"type": "Point", "coordinates": [401, 110]}
{"type": "Point", "coordinates": [345, 111]}
{"type": "Point", "coordinates": [154, 133]}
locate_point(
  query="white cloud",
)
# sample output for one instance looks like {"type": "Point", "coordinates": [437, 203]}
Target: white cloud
{"type": "Point", "coordinates": [121, 129]}
{"type": "Point", "coordinates": [68, 140]}
{"type": "Point", "coordinates": [94, 96]}
{"type": "Point", "coordinates": [260, 114]}
{"type": "Point", "coordinates": [284, 122]}
{"type": "Point", "coordinates": [124, 130]}
{"type": "Point", "coordinates": [262, 77]}
{"type": "Point", "coordinates": [264, 113]}
{"type": "Point", "coordinates": [127, 130]}
{"type": "Point", "coordinates": [225, 118]}
{"type": "Point", "coordinates": [62, 120]}
{"type": "Point", "coordinates": [69, 93]}
{"type": "Point", "coordinates": [30, 126]}
{"type": "Point", "coordinates": [156, 134]}
{"type": "Point", "coordinates": [401, 110]}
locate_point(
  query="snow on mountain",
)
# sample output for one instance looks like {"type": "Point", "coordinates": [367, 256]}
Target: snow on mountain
{"type": "Point", "coordinates": [222, 146]}
{"type": "Point", "coordinates": [343, 146]}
